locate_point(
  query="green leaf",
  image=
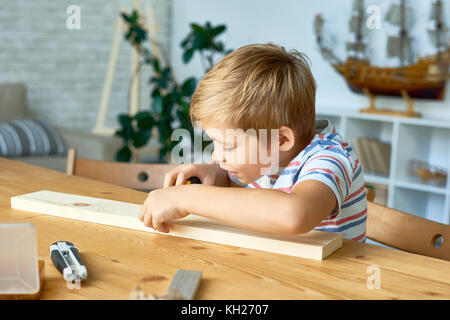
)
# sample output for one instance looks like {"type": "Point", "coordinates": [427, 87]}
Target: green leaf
{"type": "Point", "coordinates": [163, 78]}
{"type": "Point", "coordinates": [125, 17]}
{"type": "Point", "coordinates": [164, 129]}
{"type": "Point", "coordinates": [157, 104]}
{"type": "Point", "coordinates": [144, 120]}
{"type": "Point", "coordinates": [134, 17]}
{"type": "Point", "coordinates": [196, 28]}
{"type": "Point", "coordinates": [156, 65]}
{"type": "Point", "coordinates": [188, 87]}
{"type": "Point", "coordinates": [162, 155]}
{"type": "Point", "coordinates": [200, 42]}
{"type": "Point", "coordinates": [156, 92]}
{"type": "Point", "coordinates": [218, 46]}
{"type": "Point", "coordinates": [166, 72]}
{"type": "Point", "coordinates": [186, 41]}
{"type": "Point", "coordinates": [185, 107]}
{"type": "Point", "coordinates": [124, 120]}
{"type": "Point", "coordinates": [176, 94]}
{"type": "Point", "coordinates": [128, 34]}
{"type": "Point", "coordinates": [168, 104]}
{"type": "Point", "coordinates": [218, 30]}
{"type": "Point", "coordinates": [187, 56]}
{"type": "Point", "coordinates": [141, 138]}
{"type": "Point", "coordinates": [124, 154]}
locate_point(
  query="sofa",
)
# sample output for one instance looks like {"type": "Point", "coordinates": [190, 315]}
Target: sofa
{"type": "Point", "coordinates": [14, 106]}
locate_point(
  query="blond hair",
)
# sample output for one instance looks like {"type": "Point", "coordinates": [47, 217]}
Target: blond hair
{"type": "Point", "coordinates": [259, 86]}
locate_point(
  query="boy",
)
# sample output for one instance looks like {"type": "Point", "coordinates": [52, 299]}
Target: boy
{"type": "Point", "coordinates": [312, 179]}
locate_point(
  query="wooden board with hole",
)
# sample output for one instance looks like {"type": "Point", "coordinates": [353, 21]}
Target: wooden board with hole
{"type": "Point", "coordinates": [314, 244]}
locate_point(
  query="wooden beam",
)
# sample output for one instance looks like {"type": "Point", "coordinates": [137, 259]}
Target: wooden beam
{"type": "Point", "coordinates": [100, 128]}
{"type": "Point", "coordinates": [313, 245]}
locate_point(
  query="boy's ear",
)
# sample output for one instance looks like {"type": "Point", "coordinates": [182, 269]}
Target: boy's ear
{"type": "Point", "coordinates": [286, 138]}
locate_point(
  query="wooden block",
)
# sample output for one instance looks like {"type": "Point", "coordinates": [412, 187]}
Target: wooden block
{"type": "Point", "coordinates": [314, 244]}
{"type": "Point", "coordinates": [34, 296]}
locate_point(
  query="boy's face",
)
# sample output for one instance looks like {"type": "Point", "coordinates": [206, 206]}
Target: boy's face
{"type": "Point", "coordinates": [244, 155]}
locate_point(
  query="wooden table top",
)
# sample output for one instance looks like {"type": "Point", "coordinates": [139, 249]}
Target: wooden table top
{"type": "Point", "coordinates": [119, 259]}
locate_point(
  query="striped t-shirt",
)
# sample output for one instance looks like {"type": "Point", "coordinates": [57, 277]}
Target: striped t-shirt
{"type": "Point", "coordinates": [331, 160]}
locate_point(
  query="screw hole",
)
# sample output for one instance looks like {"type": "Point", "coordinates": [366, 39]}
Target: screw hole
{"type": "Point", "coordinates": [437, 241]}
{"type": "Point", "coordinates": [79, 204]}
{"type": "Point", "coordinates": [143, 177]}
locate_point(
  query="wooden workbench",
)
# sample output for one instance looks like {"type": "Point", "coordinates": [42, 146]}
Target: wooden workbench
{"type": "Point", "coordinates": [118, 259]}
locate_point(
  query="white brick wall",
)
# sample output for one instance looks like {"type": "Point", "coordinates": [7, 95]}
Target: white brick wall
{"type": "Point", "coordinates": [64, 69]}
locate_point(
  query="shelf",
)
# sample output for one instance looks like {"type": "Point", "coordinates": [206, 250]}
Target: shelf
{"type": "Point", "coordinates": [352, 114]}
{"type": "Point", "coordinates": [357, 128]}
{"type": "Point", "coordinates": [421, 187]}
{"type": "Point", "coordinates": [422, 139]}
{"type": "Point", "coordinates": [427, 144]}
{"type": "Point", "coordinates": [375, 178]}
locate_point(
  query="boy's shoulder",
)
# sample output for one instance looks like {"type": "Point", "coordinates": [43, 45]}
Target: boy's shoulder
{"type": "Point", "coordinates": [327, 140]}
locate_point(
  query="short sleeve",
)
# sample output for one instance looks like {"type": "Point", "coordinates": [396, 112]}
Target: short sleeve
{"type": "Point", "coordinates": [235, 180]}
{"type": "Point", "coordinates": [333, 169]}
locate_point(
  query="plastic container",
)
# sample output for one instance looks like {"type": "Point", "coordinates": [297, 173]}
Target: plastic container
{"type": "Point", "coordinates": [19, 273]}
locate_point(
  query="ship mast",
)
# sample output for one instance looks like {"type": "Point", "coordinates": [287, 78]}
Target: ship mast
{"type": "Point", "coordinates": [437, 35]}
{"type": "Point", "coordinates": [357, 27]}
{"type": "Point", "coordinates": [403, 32]}
{"type": "Point", "coordinates": [400, 46]}
{"type": "Point", "coordinates": [358, 33]}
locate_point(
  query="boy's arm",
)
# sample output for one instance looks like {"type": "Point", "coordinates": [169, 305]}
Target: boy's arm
{"type": "Point", "coordinates": [264, 210]}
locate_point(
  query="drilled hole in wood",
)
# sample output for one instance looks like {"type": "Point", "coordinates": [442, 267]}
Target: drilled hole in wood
{"type": "Point", "coordinates": [437, 241]}
{"type": "Point", "coordinates": [143, 177]}
{"type": "Point", "coordinates": [81, 204]}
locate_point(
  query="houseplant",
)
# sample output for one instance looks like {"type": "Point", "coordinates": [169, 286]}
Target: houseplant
{"type": "Point", "coordinates": [170, 99]}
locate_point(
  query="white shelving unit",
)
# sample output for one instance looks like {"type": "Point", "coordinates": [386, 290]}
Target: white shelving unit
{"type": "Point", "coordinates": [422, 139]}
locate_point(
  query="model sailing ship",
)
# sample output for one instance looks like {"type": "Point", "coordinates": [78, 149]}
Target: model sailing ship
{"type": "Point", "coordinates": [424, 79]}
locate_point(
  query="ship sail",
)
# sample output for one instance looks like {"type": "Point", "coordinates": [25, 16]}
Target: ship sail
{"type": "Point", "coordinates": [394, 46]}
{"type": "Point", "coordinates": [400, 46]}
{"type": "Point", "coordinates": [394, 15]}
{"type": "Point", "coordinates": [438, 37]}
{"type": "Point", "coordinates": [358, 4]}
{"type": "Point", "coordinates": [436, 11]}
{"type": "Point", "coordinates": [355, 25]}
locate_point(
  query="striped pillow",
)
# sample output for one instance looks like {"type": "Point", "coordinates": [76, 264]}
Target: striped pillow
{"type": "Point", "coordinates": [29, 137]}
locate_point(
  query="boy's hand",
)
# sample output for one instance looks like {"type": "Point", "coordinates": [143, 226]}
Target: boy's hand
{"type": "Point", "coordinates": [206, 172]}
{"type": "Point", "coordinates": [162, 206]}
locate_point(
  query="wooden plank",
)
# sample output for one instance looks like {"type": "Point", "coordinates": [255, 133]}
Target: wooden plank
{"type": "Point", "coordinates": [314, 244]}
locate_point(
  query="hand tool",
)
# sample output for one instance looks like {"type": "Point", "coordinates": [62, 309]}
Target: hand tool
{"type": "Point", "coordinates": [66, 259]}
{"type": "Point", "coordinates": [194, 180]}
